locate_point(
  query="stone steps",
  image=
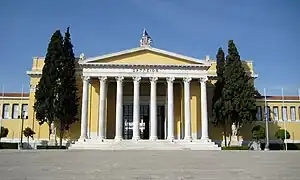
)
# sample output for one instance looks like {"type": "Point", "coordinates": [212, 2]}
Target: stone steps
{"type": "Point", "coordinates": [145, 145]}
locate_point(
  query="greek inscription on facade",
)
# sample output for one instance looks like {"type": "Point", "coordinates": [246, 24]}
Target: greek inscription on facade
{"type": "Point", "coordinates": [145, 70]}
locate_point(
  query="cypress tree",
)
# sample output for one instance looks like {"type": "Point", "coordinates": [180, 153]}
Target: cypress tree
{"type": "Point", "coordinates": [45, 94]}
{"type": "Point", "coordinates": [217, 100]}
{"type": "Point", "coordinates": [67, 104]}
{"type": "Point", "coordinates": [238, 92]}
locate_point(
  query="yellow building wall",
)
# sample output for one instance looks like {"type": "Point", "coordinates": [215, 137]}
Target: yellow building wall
{"type": "Point", "coordinates": [13, 125]}
{"type": "Point", "coordinates": [146, 57]}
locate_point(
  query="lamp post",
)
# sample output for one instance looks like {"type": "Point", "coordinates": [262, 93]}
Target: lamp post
{"type": "Point", "coordinates": [22, 126]}
{"type": "Point", "coordinates": [267, 123]}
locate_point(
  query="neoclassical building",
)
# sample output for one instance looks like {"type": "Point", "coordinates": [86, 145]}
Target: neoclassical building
{"type": "Point", "coordinates": [146, 95]}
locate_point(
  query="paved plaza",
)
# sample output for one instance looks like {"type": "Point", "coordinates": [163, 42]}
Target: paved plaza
{"type": "Point", "coordinates": [142, 165]}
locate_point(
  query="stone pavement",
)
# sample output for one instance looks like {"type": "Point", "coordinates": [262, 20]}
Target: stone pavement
{"type": "Point", "coordinates": [146, 165]}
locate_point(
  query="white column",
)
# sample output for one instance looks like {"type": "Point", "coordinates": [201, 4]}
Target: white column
{"type": "Point", "coordinates": [119, 108]}
{"type": "Point", "coordinates": [187, 109]}
{"type": "Point", "coordinates": [204, 119]}
{"type": "Point", "coordinates": [84, 108]}
{"type": "Point", "coordinates": [136, 108]}
{"type": "Point", "coordinates": [102, 108]}
{"type": "Point", "coordinates": [153, 108]}
{"type": "Point", "coordinates": [170, 109]}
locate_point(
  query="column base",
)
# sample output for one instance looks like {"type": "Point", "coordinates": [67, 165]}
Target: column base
{"type": "Point", "coordinates": [82, 139]}
{"type": "Point", "coordinates": [188, 138]}
{"type": "Point", "coordinates": [118, 138]}
{"type": "Point", "coordinates": [171, 138]}
{"type": "Point", "coordinates": [136, 138]}
{"type": "Point", "coordinates": [153, 138]}
{"type": "Point", "coordinates": [205, 139]}
{"type": "Point", "coordinates": [100, 138]}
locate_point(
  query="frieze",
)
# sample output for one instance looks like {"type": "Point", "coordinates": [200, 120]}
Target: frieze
{"type": "Point", "coordinates": [145, 70]}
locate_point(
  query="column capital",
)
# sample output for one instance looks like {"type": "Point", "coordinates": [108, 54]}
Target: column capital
{"type": "Point", "coordinates": [136, 78]}
{"type": "Point", "coordinates": [170, 79]}
{"type": "Point", "coordinates": [203, 79]}
{"type": "Point", "coordinates": [102, 78]}
{"type": "Point", "coordinates": [153, 79]}
{"type": "Point", "coordinates": [187, 79]}
{"type": "Point", "coordinates": [119, 78]}
{"type": "Point", "coordinates": [85, 78]}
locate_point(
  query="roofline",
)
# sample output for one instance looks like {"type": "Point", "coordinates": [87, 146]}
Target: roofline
{"type": "Point", "coordinates": [161, 51]}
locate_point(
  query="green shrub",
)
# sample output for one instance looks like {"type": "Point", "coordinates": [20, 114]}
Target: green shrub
{"type": "Point", "coordinates": [235, 148]}
{"type": "Point", "coordinates": [6, 145]}
{"type": "Point", "coordinates": [280, 134]}
{"type": "Point", "coordinates": [4, 132]}
{"type": "Point", "coordinates": [258, 132]}
{"type": "Point", "coordinates": [51, 147]}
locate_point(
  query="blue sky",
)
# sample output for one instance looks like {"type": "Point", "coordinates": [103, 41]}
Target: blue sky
{"type": "Point", "coordinates": [266, 32]}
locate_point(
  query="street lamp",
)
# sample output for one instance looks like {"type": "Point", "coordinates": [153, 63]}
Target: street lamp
{"type": "Point", "coordinates": [22, 126]}
{"type": "Point", "coordinates": [267, 124]}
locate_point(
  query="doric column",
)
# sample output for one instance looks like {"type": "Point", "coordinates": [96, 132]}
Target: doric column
{"type": "Point", "coordinates": [187, 109]}
{"type": "Point", "coordinates": [102, 108]}
{"type": "Point", "coordinates": [170, 109]}
{"type": "Point", "coordinates": [204, 119]}
{"type": "Point", "coordinates": [119, 108]}
{"type": "Point", "coordinates": [84, 108]}
{"type": "Point", "coordinates": [136, 108]}
{"type": "Point", "coordinates": [153, 117]}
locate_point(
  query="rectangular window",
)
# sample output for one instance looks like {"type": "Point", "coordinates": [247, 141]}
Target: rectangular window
{"type": "Point", "coordinates": [293, 113]}
{"type": "Point", "coordinates": [284, 113]}
{"type": "Point", "coordinates": [258, 113]}
{"type": "Point", "coordinates": [15, 111]}
{"type": "Point", "coordinates": [25, 111]}
{"type": "Point", "coordinates": [267, 113]}
{"type": "Point", "coordinates": [275, 111]}
{"type": "Point", "coordinates": [5, 111]}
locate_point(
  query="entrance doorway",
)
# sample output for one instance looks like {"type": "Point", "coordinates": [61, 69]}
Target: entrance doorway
{"type": "Point", "coordinates": [144, 121]}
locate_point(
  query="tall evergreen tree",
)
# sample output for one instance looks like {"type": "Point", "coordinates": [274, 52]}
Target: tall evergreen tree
{"type": "Point", "coordinates": [238, 92]}
{"type": "Point", "coordinates": [217, 100]}
{"type": "Point", "coordinates": [67, 102]}
{"type": "Point", "coordinates": [45, 94]}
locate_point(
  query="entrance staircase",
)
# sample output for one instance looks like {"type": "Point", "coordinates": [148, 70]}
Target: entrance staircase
{"type": "Point", "coordinates": [145, 145]}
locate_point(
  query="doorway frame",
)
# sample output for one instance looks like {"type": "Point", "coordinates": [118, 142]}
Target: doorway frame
{"type": "Point", "coordinates": [145, 100]}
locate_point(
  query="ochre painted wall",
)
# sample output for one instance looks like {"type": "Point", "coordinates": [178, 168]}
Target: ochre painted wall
{"type": "Point", "coordinates": [146, 57]}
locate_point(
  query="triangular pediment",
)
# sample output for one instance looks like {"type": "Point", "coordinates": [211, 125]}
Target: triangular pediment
{"type": "Point", "coordinates": [144, 55]}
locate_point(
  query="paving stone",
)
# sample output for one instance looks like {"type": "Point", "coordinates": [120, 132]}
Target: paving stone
{"type": "Point", "coordinates": [146, 165]}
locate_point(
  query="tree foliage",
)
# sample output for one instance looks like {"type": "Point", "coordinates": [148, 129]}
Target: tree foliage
{"type": "Point", "coordinates": [56, 99]}
{"type": "Point", "coordinates": [4, 132]}
{"type": "Point", "coordinates": [258, 132]}
{"type": "Point", "coordinates": [45, 94]}
{"type": "Point", "coordinates": [67, 104]}
{"type": "Point", "coordinates": [217, 100]}
{"type": "Point", "coordinates": [219, 118]}
{"type": "Point", "coordinates": [280, 134]}
{"type": "Point", "coordinates": [28, 132]}
{"type": "Point", "coordinates": [238, 92]}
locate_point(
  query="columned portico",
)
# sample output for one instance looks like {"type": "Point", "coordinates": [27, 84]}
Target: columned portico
{"type": "Point", "coordinates": [139, 101]}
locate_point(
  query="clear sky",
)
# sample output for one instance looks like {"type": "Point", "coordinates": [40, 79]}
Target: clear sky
{"type": "Point", "coordinates": [265, 31]}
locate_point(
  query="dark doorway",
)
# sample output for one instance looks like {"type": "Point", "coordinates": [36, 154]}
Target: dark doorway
{"type": "Point", "coordinates": [144, 121]}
